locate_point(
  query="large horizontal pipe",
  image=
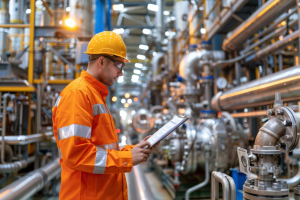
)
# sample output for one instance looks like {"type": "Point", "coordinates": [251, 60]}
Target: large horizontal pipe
{"type": "Point", "coordinates": [31, 183]}
{"type": "Point", "coordinates": [286, 82]}
{"type": "Point", "coordinates": [15, 166]}
{"type": "Point", "coordinates": [260, 113]}
{"type": "Point", "coordinates": [260, 18]}
{"type": "Point", "coordinates": [27, 139]}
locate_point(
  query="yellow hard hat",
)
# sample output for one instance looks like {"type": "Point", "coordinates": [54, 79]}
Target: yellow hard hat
{"type": "Point", "coordinates": [107, 42]}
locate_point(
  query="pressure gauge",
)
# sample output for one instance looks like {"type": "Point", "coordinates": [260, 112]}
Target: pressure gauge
{"type": "Point", "coordinates": [221, 83]}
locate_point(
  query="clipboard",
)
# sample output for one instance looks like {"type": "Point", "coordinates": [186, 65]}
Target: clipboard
{"type": "Point", "coordinates": [166, 130]}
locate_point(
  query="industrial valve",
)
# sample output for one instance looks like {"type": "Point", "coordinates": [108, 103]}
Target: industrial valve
{"type": "Point", "coordinates": [279, 134]}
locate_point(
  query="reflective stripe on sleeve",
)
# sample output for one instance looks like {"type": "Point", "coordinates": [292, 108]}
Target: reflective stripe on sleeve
{"type": "Point", "coordinates": [74, 130]}
{"type": "Point", "coordinates": [100, 161]}
{"type": "Point", "coordinates": [57, 101]}
{"type": "Point", "coordinates": [99, 109]}
{"type": "Point", "coordinates": [112, 146]}
{"type": "Point", "coordinates": [59, 154]}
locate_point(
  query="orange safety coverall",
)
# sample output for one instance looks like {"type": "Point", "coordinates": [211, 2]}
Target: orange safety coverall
{"type": "Point", "coordinates": [92, 163]}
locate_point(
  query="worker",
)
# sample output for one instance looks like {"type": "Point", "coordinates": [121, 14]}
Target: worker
{"type": "Point", "coordinates": [93, 164]}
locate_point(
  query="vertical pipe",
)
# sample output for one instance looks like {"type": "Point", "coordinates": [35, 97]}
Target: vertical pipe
{"type": "Point", "coordinates": [99, 16]}
{"type": "Point", "coordinates": [5, 96]}
{"type": "Point", "coordinates": [4, 19]}
{"type": "Point", "coordinates": [108, 15]}
{"type": "Point", "coordinates": [31, 42]}
{"type": "Point", "coordinates": [205, 182]}
{"type": "Point", "coordinates": [160, 19]}
{"type": "Point", "coordinates": [20, 123]}
{"type": "Point", "coordinates": [280, 62]}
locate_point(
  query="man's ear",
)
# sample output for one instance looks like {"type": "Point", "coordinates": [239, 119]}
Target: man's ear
{"type": "Point", "coordinates": [101, 62]}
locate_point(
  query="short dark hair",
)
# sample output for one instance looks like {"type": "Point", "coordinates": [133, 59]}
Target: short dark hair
{"type": "Point", "coordinates": [94, 57]}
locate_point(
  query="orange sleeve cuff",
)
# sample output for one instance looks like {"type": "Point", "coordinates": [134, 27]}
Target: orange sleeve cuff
{"type": "Point", "coordinates": [125, 161]}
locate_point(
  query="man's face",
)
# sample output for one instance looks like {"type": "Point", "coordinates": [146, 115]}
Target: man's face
{"type": "Point", "coordinates": [110, 72]}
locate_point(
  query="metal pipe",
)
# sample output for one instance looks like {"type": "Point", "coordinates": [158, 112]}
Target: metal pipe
{"type": "Point", "coordinates": [294, 181]}
{"type": "Point", "coordinates": [160, 19]}
{"type": "Point", "coordinates": [204, 183]}
{"type": "Point", "coordinates": [219, 177]}
{"type": "Point", "coordinates": [16, 166]}
{"type": "Point", "coordinates": [138, 186]}
{"type": "Point", "coordinates": [26, 139]}
{"type": "Point", "coordinates": [5, 96]}
{"type": "Point", "coordinates": [276, 33]}
{"type": "Point", "coordinates": [286, 82]}
{"type": "Point", "coordinates": [259, 113]}
{"type": "Point", "coordinates": [31, 183]}
{"type": "Point", "coordinates": [272, 27]}
{"type": "Point", "coordinates": [224, 17]}
{"type": "Point", "coordinates": [261, 17]}
{"type": "Point", "coordinates": [276, 46]}
{"type": "Point", "coordinates": [190, 65]}
{"type": "Point", "coordinates": [232, 186]}
{"type": "Point", "coordinates": [156, 63]}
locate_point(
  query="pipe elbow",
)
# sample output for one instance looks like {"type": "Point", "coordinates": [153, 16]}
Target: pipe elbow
{"type": "Point", "coordinates": [270, 133]}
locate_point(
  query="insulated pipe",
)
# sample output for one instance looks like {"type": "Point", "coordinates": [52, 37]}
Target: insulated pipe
{"type": "Point", "coordinates": [160, 20]}
{"type": "Point", "coordinates": [286, 82]}
{"type": "Point", "coordinates": [156, 62]}
{"type": "Point", "coordinates": [263, 16]}
{"type": "Point", "coordinates": [26, 139]}
{"type": "Point", "coordinates": [204, 183]}
{"type": "Point", "coordinates": [16, 166]}
{"type": "Point", "coordinates": [294, 181]}
{"type": "Point", "coordinates": [31, 183]}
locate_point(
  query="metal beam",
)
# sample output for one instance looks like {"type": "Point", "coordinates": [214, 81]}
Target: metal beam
{"type": "Point", "coordinates": [133, 27]}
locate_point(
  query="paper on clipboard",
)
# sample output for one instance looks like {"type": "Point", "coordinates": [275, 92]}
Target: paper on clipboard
{"type": "Point", "coordinates": [243, 160]}
{"type": "Point", "coordinates": [166, 129]}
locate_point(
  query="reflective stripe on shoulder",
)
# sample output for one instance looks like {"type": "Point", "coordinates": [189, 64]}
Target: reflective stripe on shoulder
{"type": "Point", "coordinates": [99, 109]}
{"type": "Point", "coordinates": [57, 101]}
{"type": "Point", "coordinates": [112, 146]}
{"type": "Point", "coordinates": [74, 130]}
{"type": "Point", "coordinates": [59, 153]}
{"type": "Point", "coordinates": [100, 161]}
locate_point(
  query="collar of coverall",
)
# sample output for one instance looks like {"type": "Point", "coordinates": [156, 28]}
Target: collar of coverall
{"type": "Point", "coordinates": [94, 82]}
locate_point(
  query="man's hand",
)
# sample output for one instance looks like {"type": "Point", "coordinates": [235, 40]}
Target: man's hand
{"type": "Point", "coordinates": [139, 154]}
{"type": "Point", "coordinates": [154, 148]}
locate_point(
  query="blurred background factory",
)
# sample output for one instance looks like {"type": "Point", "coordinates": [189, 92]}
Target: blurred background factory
{"type": "Point", "coordinates": [231, 65]}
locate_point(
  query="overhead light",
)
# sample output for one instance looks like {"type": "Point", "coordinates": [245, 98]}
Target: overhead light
{"type": "Point", "coordinates": [129, 121]}
{"type": "Point", "coordinates": [114, 99]}
{"type": "Point", "coordinates": [28, 11]}
{"type": "Point", "coordinates": [201, 8]}
{"type": "Point", "coordinates": [126, 105]}
{"type": "Point", "coordinates": [129, 101]}
{"type": "Point", "coordinates": [60, 22]}
{"type": "Point", "coordinates": [70, 23]}
{"type": "Point", "coordinates": [123, 101]}
{"type": "Point", "coordinates": [119, 31]}
{"type": "Point", "coordinates": [166, 12]}
{"type": "Point", "coordinates": [134, 78]}
{"type": "Point", "coordinates": [202, 30]}
{"type": "Point", "coordinates": [141, 57]}
{"type": "Point", "coordinates": [68, 9]}
{"type": "Point", "coordinates": [152, 7]}
{"type": "Point", "coordinates": [144, 68]}
{"type": "Point", "coordinates": [154, 53]}
{"type": "Point", "coordinates": [133, 112]}
{"type": "Point", "coordinates": [143, 47]}
{"type": "Point", "coordinates": [118, 7]}
{"type": "Point", "coordinates": [127, 95]}
{"type": "Point", "coordinates": [146, 31]}
{"type": "Point", "coordinates": [135, 99]}
{"type": "Point", "coordinates": [167, 33]}
{"type": "Point", "coordinates": [138, 65]}
{"type": "Point", "coordinates": [136, 71]}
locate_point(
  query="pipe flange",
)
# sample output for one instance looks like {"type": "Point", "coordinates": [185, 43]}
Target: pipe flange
{"type": "Point", "coordinates": [189, 92]}
{"type": "Point", "coordinates": [291, 138]}
{"type": "Point", "coordinates": [269, 192]}
{"type": "Point", "coordinates": [265, 150]}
